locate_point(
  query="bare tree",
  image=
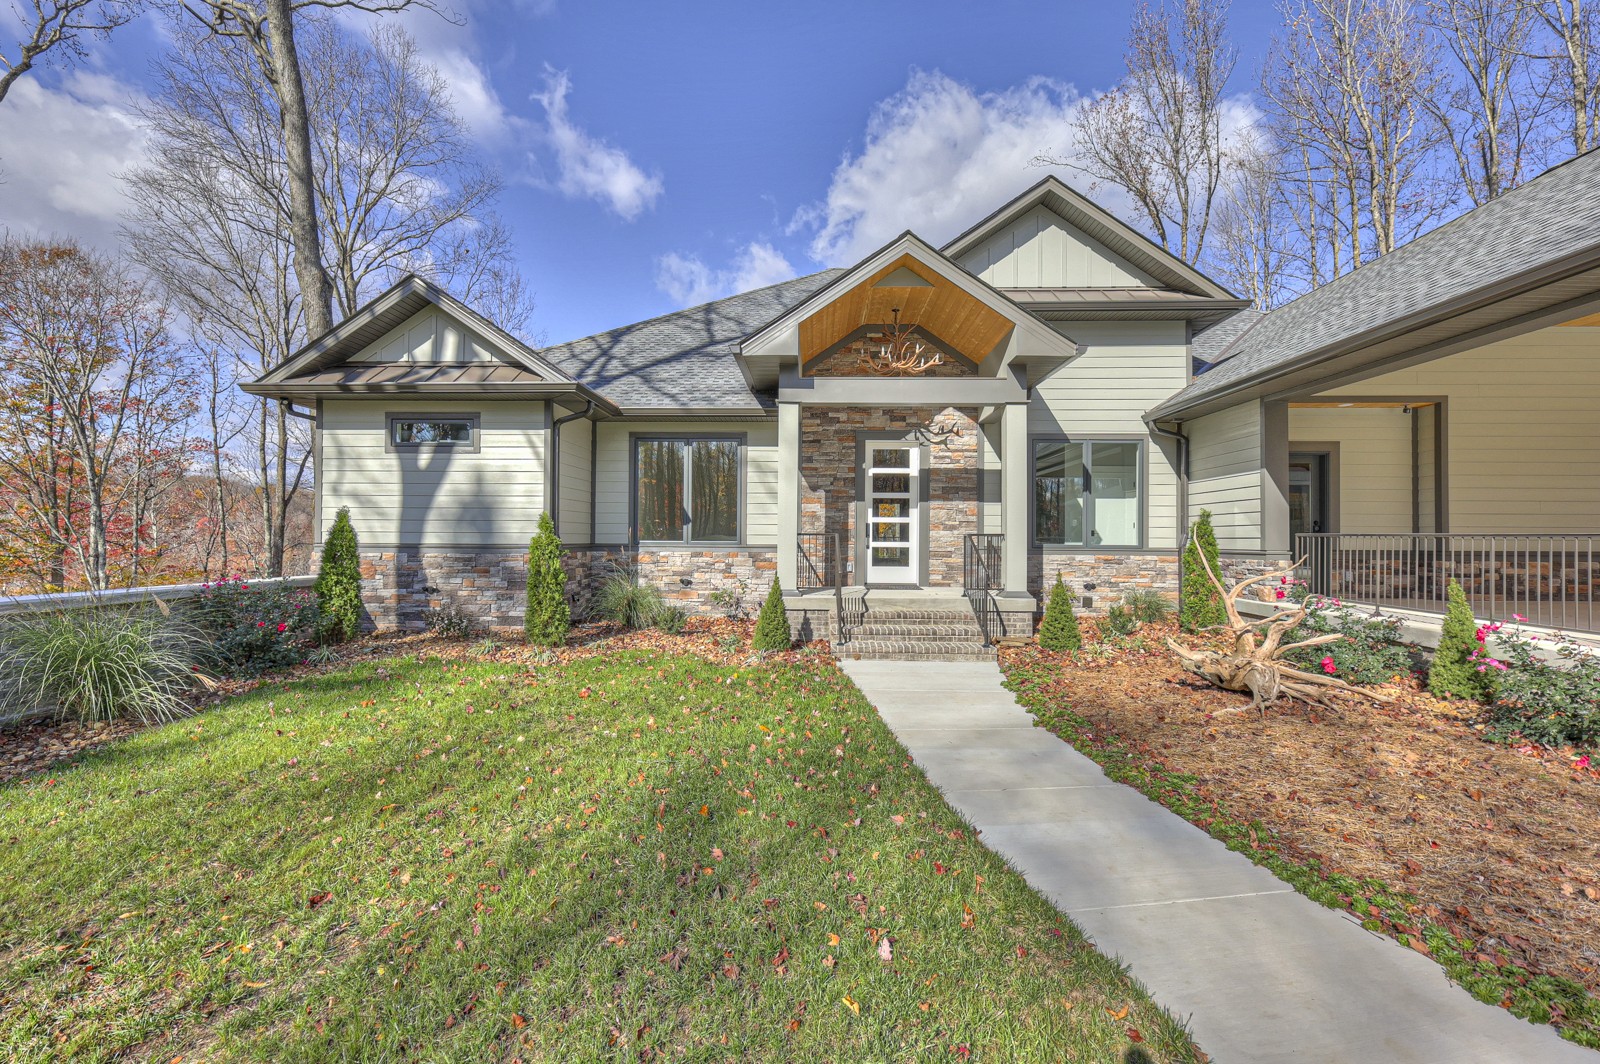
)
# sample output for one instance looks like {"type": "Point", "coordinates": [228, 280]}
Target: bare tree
{"type": "Point", "coordinates": [57, 26]}
{"type": "Point", "coordinates": [1159, 134]}
{"type": "Point", "coordinates": [395, 187]}
{"type": "Point", "coordinates": [268, 30]}
{"type": "Point", "coordinates": [1575, 86]}
{"type": "Point", "coordinates": [1250, 251]}
{"type": "Point", "coordinates": [1491, 114]}
{"type": "Point", "coordinates": [1345, 85]}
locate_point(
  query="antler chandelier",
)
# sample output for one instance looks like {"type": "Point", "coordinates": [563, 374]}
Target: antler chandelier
{"type": "Point", "coordinates": [902, 351]}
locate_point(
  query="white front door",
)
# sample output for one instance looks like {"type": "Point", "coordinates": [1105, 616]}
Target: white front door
{"type": "Point", "coordinates": [892, 513]}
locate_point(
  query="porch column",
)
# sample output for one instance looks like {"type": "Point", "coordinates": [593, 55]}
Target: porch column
{"type": "Point", "coordinates": [1014, 498]}
{"type": "Point", "coordinates": [1275, 477]}
{"type": "Point", "coordinates": [788, 492]}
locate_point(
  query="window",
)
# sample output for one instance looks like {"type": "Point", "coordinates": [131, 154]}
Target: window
{"type": "Point", "coordinates": [687, 490]}
{"type": "Point", "coordinates": [408, 431]}
{"type": "Point", "coordinates": [1086, 494]}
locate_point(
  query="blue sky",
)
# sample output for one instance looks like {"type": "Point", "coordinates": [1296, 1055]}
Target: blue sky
{"type": "Point", "coordinates": [657, 155]}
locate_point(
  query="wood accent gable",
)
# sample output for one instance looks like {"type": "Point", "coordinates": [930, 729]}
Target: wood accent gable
{"type": "Point", "coordinates": [963, 323]}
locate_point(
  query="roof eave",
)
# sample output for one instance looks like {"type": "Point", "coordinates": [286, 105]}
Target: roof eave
{"type": "Point", "coordinates": [299, 390]}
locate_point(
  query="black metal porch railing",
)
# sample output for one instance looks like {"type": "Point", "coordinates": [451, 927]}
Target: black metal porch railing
{"type": "Point", "coordinates": [981, 577]}
{"type": "Point", "coordinates": [820, 566]}
{"type": "Point", "coordinates": [1552, 580]}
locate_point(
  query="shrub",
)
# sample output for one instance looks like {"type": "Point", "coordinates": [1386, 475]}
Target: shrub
{"type": "Point", "coordinates": [253, 628]}
{"type": "Point", "coordinates": [731, 600]}
{"type": "Point", "coordinates": [1454, 670]}
{"type": "Point", "coordinates": [98, 664]}
{"type": "Point", "coordinates": [1119, 622]}
{"type": "Point", "coordinates": [772, 626]}
{"type": "Point", "coordinates": [548, 616]}
{"type": "Point", "coordinates": [1543, 702]}
{"type": "Point", "coordinates": [449, 621]}
{"type": "Point", "coordinates": [1059, 629]}
{"type": "Point", "coordinates": [1147, 606]}
{"type": "Point", "coordinates": [670, 619]}
{"type": "Point", "coordinates": [623, 599]}
{"type": "Point", "coordinates": [338, 585]}
{"type": "Point", "coordinates": [1202, 605]}
{"type": "Point", "coordinates": [1370, 652]}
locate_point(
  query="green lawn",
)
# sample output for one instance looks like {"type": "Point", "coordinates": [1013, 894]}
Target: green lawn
{"type": "Point", "coordinates": [633, 856]}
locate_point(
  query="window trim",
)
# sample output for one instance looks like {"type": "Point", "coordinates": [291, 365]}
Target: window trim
{"type": "Point", "coordinates": [1090, 438]}
{"type": "Point", "coordinates": [742, 439]}
{"type": "Point", "coordinates": [473, 418]}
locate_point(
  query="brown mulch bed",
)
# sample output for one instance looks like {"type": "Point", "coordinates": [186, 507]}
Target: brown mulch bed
{"type": "Point", "coordinates": [1502, 842]}
{"type": "Point", "coordinates": [30, 747]}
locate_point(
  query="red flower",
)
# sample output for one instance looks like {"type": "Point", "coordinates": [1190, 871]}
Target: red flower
{"type": "Point", "coordinates": [1328, 666]}
{"type": "Point", "coordinates": [283, 628]}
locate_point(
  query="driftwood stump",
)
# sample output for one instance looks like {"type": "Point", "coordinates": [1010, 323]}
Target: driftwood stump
{"type": "Point", "coordinates": [1254, 665]}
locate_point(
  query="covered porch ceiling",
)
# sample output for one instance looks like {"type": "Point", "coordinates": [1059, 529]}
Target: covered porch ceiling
{"type": "Point", "coordinates": [940, 309]}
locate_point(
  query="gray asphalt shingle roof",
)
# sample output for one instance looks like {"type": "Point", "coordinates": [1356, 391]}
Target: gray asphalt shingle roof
{"type": "Point", "coordinates": [686, 358]}
{"type": "Point", "coordinates": [1538, 224]}
{"type": "Point", "coordinates": [1217, 342]}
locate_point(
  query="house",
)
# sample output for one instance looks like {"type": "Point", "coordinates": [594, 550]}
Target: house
{"type": "Point", "coordinates": [940, 429]}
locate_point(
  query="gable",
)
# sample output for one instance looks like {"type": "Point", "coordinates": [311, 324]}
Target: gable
{"type": "Point", "coordinates": [1041, 249]}
{"type": "Point", "coordinates": [427, 337]}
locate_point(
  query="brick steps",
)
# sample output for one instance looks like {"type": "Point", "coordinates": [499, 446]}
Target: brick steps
{"type": "Point", "coordinates": [918, 635]}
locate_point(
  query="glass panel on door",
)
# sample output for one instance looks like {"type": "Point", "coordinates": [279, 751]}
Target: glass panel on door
{"type": "Point", "coordinates": [892, 515]}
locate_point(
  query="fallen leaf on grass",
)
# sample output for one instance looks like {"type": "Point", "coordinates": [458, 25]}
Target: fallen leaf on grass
{"type": "Point", "coordinates": [885, 950]}
{"type": "Point", "coordinates": [852, 1004]}
{"type": "Point", "coordinates": [1119, 1014]}
{"type": "Point", "coordinates": [318, 898]}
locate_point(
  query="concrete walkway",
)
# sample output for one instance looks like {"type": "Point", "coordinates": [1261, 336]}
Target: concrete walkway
{"type": "Point", "coordinates": [1260, 972]}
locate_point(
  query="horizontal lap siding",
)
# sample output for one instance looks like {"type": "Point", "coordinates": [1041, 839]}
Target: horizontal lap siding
{"type": "Point", "coordinates": [614, 474]}
{"type": "Point", "coordinates": [1225, 474]}
{"type": "Point", "coordinates": [1126, 369]}
{"type": "Point", "coordinates": [574, 485]}
{"type": "Point", "coordinates": [1522, 427]}
{"type": "Point", "coordinates": [1375, 486]}
{"type": "Point", "coordinates": [439, 497]}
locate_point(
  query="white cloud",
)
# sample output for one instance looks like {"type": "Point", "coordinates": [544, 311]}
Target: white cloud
{"type": "Point", "coordinates": [937, 157]}
{"type": "Point", "coordinates": [61, 149]}
{"type": "Point", "coordinates": [589, 168]}
{"type": "Point", "coordinates": [689, 281]}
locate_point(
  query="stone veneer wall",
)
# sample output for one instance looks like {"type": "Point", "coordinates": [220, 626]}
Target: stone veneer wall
{"type": "Point", "coordinates": [829, 476]}
{"type": "Point", "coordinates": [399, 587]}
{"type": "Point", "coordinates": [1112, 575]}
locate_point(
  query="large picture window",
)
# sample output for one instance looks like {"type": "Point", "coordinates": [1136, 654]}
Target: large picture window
{"type": "Point", "coordinates": [1087, 493]}
{"type": "Point", "coordinates": [687, 490]}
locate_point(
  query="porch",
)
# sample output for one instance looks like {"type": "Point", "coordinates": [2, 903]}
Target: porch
{"type": "Point", "coordinates": [1478, 467]}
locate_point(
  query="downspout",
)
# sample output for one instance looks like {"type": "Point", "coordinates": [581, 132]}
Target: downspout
{"type": "Point", "coordinates": [555, 458]}
{"type": "Point", "coordinates": [1183, 496]}
{"type": "Point", "coordinates": [288, 408]}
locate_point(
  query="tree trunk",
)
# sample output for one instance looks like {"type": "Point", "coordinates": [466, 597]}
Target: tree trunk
{"type": "Point", "coordinates": [316, 290]}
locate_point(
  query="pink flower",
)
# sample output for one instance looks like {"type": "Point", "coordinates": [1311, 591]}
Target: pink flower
{"type": "Point", "coordinates": [1280, 593]}
{"type": "Point", "coordinates": [1582, 762]}
{"type": "Point", "coordinates": [1518, 617]}
{"type": "Point", "coordinates": [1328, 666]}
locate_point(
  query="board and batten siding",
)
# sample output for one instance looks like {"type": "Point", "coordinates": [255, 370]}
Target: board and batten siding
{"type": "Point", "coordinates": [427, 337]}
{"type": "Point", "coordinates": [1375, 485]}
{"type": "Point", "coordinates": [1125, 369]}
{"type": "Point", "coordinates": [576, 453]}
{"type": "Point", "coordinates": [1521, 430]}
{"type": "Point", "coordinates": [614, 474]}
{"type": "Point", "coordinates": [1040, 250]}
{"type": "Point", "coordinates": [438, 497]}
{"type": "Point", "coordinates": [1226, 475]}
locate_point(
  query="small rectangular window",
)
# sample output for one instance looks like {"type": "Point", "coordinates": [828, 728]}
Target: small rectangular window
{"type": "Point", "coordinates": [687, 490]}
{"type": "Point", "coordinates": [1087, 494]}
{"type": "Point", "coordinates": [448, 432]}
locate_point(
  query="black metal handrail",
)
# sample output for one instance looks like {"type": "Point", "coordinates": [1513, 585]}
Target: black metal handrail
{"type": "Point", "coordinates": [819, 565]}
{"type": "Point", "coordinates": [981, 576]}
{"type": "Point", "coordinates": [1552, 580]}
{"type": "Point", "coordinates": [980, 561]}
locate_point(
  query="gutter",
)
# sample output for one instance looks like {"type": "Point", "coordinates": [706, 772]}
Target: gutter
{"type": "Point", "coordinates": [1183, 495]}
{"type": "Point", "coordinates": [553, 470]}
